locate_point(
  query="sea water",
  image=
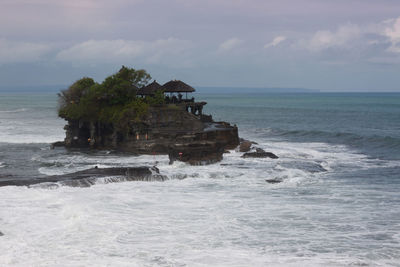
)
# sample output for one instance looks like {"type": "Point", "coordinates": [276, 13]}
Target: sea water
{"type": "Point", "coordinates": [338, 203]}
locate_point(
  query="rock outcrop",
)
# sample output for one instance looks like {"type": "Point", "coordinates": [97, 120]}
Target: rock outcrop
{"type": "Point", "coordinates": [274, 181]}
{"type": "Point", "coordinates": [260, 154]}
{"type": "Point", "coordinates": [245, 146]}
{"type": "Point", "coordinates": [89, 177]}
{"type": "Point", "coordinates": [125, 113]}
{"type": "Point", "coordinates": [163, 130]}
{"type": "Point", "coordinates": [196, 153]}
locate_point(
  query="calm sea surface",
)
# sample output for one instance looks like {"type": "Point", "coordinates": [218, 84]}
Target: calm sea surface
{"type": "Point", "coordinates": [338, 203]}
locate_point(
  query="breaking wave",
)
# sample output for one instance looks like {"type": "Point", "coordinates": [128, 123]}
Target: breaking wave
{"type": "Point", "coordinates": [381, 146]}
{"type": "Point", "coordinates": [19, 110]}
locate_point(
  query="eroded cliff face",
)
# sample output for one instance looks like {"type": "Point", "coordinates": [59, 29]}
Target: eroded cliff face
{"type": "Point", "coordinates": [171, 130]}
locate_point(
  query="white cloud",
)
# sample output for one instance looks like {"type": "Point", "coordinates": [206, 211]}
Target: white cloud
{"type": "Point", "coordinates": [115, 51]}
{"type": "Point", "coordinates": [277, 40]}
{"type": "Point", "coordinates": [17, 52]}
{"type": "Point", "coordinates": [385, 34]}
{"type": "Point", "coordinates": [343, 37]}
{"type": "Point", "coordinates": [392, 32]}
{"type": "Point", "coordinates": [230, 44]}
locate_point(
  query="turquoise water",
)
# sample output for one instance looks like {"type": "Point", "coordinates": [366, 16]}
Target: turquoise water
{"type": "Point", "coordinates": [369, 122]}
{"type": "Point", "coordinates": [338, 203]}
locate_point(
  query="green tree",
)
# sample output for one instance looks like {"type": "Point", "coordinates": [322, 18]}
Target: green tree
{"type": "Point", "coordinates": [74, 93]}
{"type": "Point", "coordinates": [112, 101]}
{"type": "Point", "coordinates": [157, 99]}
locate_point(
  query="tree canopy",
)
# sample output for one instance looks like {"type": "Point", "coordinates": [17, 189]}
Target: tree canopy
{"type": "Point", "coordinates": [112, 101]}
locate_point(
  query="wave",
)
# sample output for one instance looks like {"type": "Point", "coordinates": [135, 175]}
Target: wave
{"type": "Point", "coordinates": [377, 143]}
{"type": "Point", "coordinates": [30, 139]}
{"type": "Point", "coordinates": [14, 110]}
{"type": "Point", "coordinates": [298, 163]}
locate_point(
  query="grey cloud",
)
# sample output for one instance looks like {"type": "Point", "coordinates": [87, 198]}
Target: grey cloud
{"type": "Point", "coordinates": [230, 44]}
{"type": "Point", "coordinates": [159, 51]}
{"type": "Point", "coordinates": [276, 41]}
{"type": "Point", "coordinates": [16, 52]}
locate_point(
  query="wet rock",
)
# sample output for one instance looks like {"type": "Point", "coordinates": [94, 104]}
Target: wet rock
{"type": "Point", "coordinates": [89, 177]}
{"type": "Point", "coordinates": [57, 144]}
{"type": "Point", "coordinates": [1, 234]}
{"type": "Point", "coordinates": [260, 154]}
{"type": "Point", "coordinates": [274, 181]}
{"type": "Point", "coordinates": [199, 153]}
{"type": "Point", "coordinates": [160, 128]}
{"type": "Point", "coordinates": [245, 146]}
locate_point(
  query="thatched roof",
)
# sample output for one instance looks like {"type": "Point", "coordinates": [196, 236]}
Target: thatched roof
{"type": "Point", "coordinates": [177, 87]}
{"type": "Point", "coordinates": [150, 89]}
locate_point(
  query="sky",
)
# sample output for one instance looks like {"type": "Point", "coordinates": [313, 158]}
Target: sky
{"type": "Point", "coordinates": [328, 45]}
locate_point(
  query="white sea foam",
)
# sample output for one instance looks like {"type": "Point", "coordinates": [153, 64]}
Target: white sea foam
{"type": "Point", "coordinates": [198, 221]}
{"type": "Point", "coordinates": [222, 214]}
{"type": "Point", "coordinates": [30, 125]}
{"type": "Point", "coordinates": [297, 163]}
{"type": "Point", "coordinates": [2, 164]}
{"type": "Point", "coordinates": [14, 110]}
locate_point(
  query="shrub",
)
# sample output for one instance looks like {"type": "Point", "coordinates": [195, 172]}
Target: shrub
{"type": "Point", "coordinates": [112, 101]}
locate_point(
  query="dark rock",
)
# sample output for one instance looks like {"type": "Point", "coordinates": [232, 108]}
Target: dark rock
{"type": "Point", "coordinates": [260, 150]}
{"type": "Point", "coordinates": [88, 177]}
{"type": "Point", "coordinates": [274, 181]}
{"type": "Point", "coordinates": [241, 140]}
{"type": "Point", "coordinates": [199, 153]}
{"type": "Point", "coordinates": [260, 155]}
{"type": "Point", "coordinates": [1, 234]}
{"type": "Point", "coordinates": [226, 151]}
{"type": "Point", "coordinates": [158, 130]}
{"type": "Point", "coordinates": [245, 146]}
{"type": "Point", "coordinates": [57, 144]}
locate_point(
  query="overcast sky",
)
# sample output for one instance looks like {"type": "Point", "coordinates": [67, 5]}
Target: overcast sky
{"type": "Point", "coordinates": [335, 45]}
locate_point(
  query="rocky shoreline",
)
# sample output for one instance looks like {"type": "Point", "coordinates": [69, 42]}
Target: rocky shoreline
{"type": "Point", "coordinates": [88, 177]}
{"type": "Point", "coordinates": [91, 176]}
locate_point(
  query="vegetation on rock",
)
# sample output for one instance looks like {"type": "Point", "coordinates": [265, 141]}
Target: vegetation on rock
{"type": "Point", "coordinates": [112, 101]}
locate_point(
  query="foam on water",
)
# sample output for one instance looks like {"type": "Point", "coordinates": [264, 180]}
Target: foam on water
{"type": "Point", "coordinates": [298, 162]}
{"type": "Point", "coordinates": [25, 121]}
{"type": "Point", "coordinates": [332, 207]}
{"type": "Point", "coordinates": [216, 217]}
{"type": "Point", "coordinates": [14, 110]}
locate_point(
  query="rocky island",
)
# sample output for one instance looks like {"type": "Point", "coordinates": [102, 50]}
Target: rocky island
{"type": "Point", "coordinates": [127, 113]}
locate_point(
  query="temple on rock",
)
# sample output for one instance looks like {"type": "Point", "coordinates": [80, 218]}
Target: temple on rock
{"type": "Point", "coordinates": [176, 92]}
{"type": "Point", "coordinates": [147, 119]}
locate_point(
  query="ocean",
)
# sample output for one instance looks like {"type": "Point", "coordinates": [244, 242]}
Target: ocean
{"type": "Point", "coordinates": [338, 203]}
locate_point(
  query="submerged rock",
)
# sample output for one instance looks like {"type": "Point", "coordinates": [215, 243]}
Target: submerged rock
{"type": "Point", "coordinates": [200, 153]}
{"type": "Point", "coordinates": [245, 146]}
{"type": "Point", "coordinates": [57, 144]}
{"type": "Point", "coordinates": [274, 181]}
{"type": "Point", "coordinates": [91, 176]}
{"type": "Point", "coordinates": [260, 153]}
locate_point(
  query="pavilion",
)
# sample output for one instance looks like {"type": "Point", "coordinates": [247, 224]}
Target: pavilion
{"type": "Point", "coordinates": [177, 86]}
{"type": "Point", "coordinates": [150, 89]}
